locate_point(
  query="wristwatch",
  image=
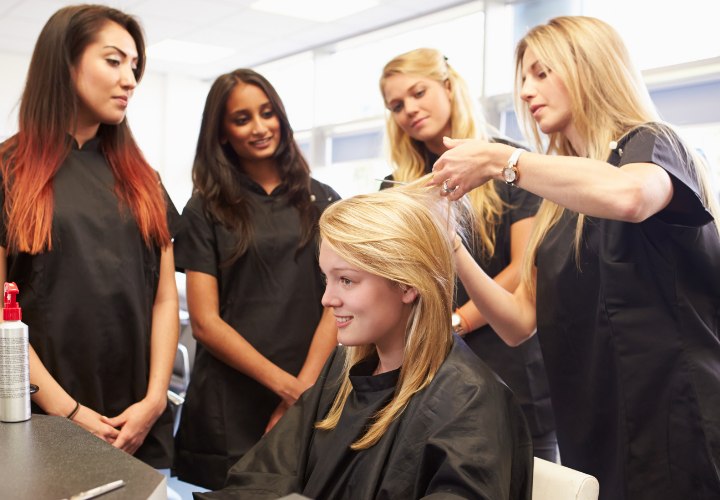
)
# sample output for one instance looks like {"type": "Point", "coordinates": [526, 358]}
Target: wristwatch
{"type": "Point", "coordinates": [457, 324]}
{"type": "Point", "coordinates": [510, 172]}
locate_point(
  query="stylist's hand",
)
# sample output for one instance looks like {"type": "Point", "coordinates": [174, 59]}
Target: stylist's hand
{"type": "Point", "coordinates": [285, 403]}
{"type": "Point", "coordinates": [277, 415]}
{"type": "Point", "coordinates": [467, 164]}
{"type": "Point", "coordinates": [93, 422]}
{"type": "Point", "coordinates": [134, 424]}
{"type": "Point", "coordinates": [291, 388]}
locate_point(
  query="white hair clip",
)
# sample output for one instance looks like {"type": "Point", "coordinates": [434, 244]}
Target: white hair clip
{"type": "Point", "coordinates": [312, 198]}
{"type": "Point", "coordinates": [613, 146]}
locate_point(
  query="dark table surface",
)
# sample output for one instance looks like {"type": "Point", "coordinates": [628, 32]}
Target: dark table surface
{"type": "Point", "coordinates": [53, 458]}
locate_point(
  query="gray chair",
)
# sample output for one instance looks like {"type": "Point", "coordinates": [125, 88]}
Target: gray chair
{"type": "Point", "coordinates": [182, 368]}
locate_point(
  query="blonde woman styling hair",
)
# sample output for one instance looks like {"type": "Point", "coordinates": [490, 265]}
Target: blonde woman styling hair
{"type": "Point", "coordinates": [403, 408]}
{"type": "Point", "coordinates": [622, 276]}
{"type": "Point", "coordinates": [426, 100]}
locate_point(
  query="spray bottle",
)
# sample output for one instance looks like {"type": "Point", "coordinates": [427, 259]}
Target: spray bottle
{"type": "Point", "coordinates": [14, 360]}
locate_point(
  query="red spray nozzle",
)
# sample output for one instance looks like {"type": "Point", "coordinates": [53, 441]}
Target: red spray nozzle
{"type": "Point", "coordinates": [11, 309]}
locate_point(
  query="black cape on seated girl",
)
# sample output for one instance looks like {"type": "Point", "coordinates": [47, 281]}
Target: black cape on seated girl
{"type": "Point", "coordinates": [463, 436]}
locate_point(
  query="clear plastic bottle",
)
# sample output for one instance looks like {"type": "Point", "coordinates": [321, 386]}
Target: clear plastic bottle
{"type": "Point", "coordinates": [14, 360]}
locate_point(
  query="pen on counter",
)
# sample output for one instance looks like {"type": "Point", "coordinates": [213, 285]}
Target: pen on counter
{"type": "Point", "coordinates": [100, 490]}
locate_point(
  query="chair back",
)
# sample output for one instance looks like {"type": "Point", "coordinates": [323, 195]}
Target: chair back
{"type": "Point", "coordinates": [556, 482]}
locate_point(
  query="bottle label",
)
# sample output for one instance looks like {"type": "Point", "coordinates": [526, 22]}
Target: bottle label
{"type": "Point", "coordinates": [14, 373]}
{"type": "Point", "coordinates": [14, 381]}
{"type": "Point", "coordinates": [13, 370]}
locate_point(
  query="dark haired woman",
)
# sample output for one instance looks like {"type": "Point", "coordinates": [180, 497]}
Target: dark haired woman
{"type": "Point", "coordinates": [253, 281]}
{"type": "Point", "coordinates": [85, 236]}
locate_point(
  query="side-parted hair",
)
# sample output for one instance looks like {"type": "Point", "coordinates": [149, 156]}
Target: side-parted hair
{"type": "Point", "coordinates": [408, 155]}
{"type": "Point", "coordinates": [48, 115]}
{"type": "Point", "coordinates": [400, 234]}
{"type": "Point", "coordinates": [216, 165]}
{"type": "Point", "coordinates": [608, 99]}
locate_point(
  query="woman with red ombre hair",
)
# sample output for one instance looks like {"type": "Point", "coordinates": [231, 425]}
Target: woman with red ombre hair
{"type": "Point", "coordinates": [86, 235]}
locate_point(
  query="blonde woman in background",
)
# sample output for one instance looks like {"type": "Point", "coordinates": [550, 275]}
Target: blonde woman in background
{"type": "Point", "coordinates": [623, 269]}
{"type": "Point", "coordinates": [427, 99]}
{"type": "Point", "coordinates": [403, 409]}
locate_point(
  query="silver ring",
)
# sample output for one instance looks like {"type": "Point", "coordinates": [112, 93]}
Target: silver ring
{"type": "Point", "coordinates": [447, 189]}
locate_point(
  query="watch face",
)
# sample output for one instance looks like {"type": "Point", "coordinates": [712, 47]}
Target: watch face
{"type": "Point", "coordinates": [455, 320]}
{"type": "Point", "coordinates": [509, 174]}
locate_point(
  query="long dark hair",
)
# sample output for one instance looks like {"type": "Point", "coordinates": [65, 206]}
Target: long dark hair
{"type": "Point", "coordinates": [48, 111]}
{"type": "Point", "coordinates": [217, 166]}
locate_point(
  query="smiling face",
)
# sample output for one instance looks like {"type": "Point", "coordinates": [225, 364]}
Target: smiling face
{"type": "Point", "coordinates": [368, 308]}
{"type": "Point", "coordinates": [546, 96]}
{"type": "Point", "coordinates": [250, 124]}
{"type": "Point", "coordinates": [420, 106]}
{"type": "Point", "coordinates": [104, 77]}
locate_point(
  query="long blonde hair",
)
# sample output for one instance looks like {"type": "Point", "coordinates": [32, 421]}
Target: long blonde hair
{"type": "Point", "coordinates": [608, 99]}
{"type": "Point", "coordinates": [401, 235]}
{"type": "Point", "coordinates": [408, 155]}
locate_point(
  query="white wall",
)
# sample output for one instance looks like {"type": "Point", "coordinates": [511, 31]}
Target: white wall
{"type": "Point", "coordinates": [14, 69]}
{"type": "Point", "coordinates": [165, 117]}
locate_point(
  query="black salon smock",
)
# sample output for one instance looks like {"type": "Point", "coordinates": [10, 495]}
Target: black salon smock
{"type": "Point", "coordinates": [522, 367]}
{"type": "Point", "coordinates": [88, 302]}
{"type": "Point", "coordinates": [463, 436]}
{"type": "Point", "coordinates": [630, 340]}
{"type": "Point", "coordinates": [271, 296]}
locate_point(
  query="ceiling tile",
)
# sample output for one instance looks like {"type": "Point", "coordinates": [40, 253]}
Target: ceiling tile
{"type": "Point", "coordinates": [261, 23]}
{"type": "Point", "coordinates": [226, 37]}
{"type": "Point", "coordinates": [257, 36]}
{"type": "Point", "coordinates": [193, 11]}
{"type": "Point", "coordinates": [38, 10]}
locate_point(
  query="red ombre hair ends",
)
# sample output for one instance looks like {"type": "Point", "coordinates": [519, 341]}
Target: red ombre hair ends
{"type": "Point", "coordinates": [48, 112]}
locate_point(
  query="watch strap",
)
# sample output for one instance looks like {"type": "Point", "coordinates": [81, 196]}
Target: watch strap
{"type": "Point", "coordinates": [512, 165]}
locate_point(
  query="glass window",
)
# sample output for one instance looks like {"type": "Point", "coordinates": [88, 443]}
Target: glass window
{"type": "Point", "coordinates": [661, 33]}
{"type": "Point", "coordinates": [348, 78]}
{"type": "Point", "coordinates": [354, 177]}
{"type": "Point", "coordinates": [293, 79]}
{"type": "Point", "coordinates": [304, 148]}
{"type": "Point", "coordinates": [357, 146]}
{"type": "Point", "coordinates": [706, 138]}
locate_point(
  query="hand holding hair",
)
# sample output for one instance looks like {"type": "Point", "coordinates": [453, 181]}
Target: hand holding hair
{"type": "Point", "coordinates": [467, 164]}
